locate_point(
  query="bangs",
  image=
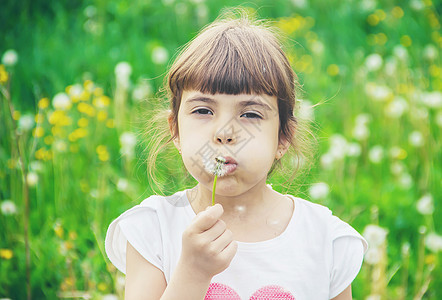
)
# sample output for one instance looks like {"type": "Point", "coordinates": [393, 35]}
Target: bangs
{"type": "Point", "coordinates": [233, 60]}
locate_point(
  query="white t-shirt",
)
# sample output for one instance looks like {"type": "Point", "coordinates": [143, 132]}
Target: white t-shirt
{"type": "Point", "coordinates": [316, 257]}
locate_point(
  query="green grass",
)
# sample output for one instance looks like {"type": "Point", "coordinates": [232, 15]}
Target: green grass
{"type": "Point", "coordinates": [84, 181]}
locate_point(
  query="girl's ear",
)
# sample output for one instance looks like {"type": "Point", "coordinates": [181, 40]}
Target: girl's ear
{"type": "Point", "coordinates": [282, 148]}
{"type": "Point", "coordinates": [174, 132]}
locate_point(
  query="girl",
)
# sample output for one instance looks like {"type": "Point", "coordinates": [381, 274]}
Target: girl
{"type": "Point", "coordinates": [232, 94]}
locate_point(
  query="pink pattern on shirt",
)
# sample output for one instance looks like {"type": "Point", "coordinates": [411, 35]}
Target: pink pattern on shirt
{"type": "Point", "coordinates": [219, 291]}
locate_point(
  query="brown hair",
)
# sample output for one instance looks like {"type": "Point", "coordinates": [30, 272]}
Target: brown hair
{"type": "Point", "coordinates": [235, 55]}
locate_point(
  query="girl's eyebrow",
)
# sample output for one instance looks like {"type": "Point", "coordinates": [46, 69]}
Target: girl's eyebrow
{"type": "Point", "coordinates": [201, 99]}
{"type": "Point", "coordinates": [253, 102]}
{"type": "Point", "coordinates": [242, 104]}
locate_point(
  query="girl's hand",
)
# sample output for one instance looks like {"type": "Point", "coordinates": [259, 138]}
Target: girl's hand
{"type": "Point", "coordinates": [208, 246]}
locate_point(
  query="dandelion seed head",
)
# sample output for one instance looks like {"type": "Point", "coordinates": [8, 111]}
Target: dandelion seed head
{"type": "Point", "coordinates": [319, 190]}
{"type": "Point", "coordinates": [425, 205]}
{"type": "Point", "coordinates": [122, 184]}
{"type": "Point", "coordinates": [416, 139]}
{"type": "Point", "coordinates": [32, 178]}
{"type": "Point", "coordinates": [373, 255]}
{"type": "Point", "coordinates": [61, 101]}
{"type": "Point", "coordinates": [26, 122]}
{"type": "Point", "coordinates": [376, 154]}
{"type": "Point", "coordinates": [8, 208]}
{"type": "Point", "coordinates": [432, 99]}
{"type": "Point", "coordinates": [375, 235]}
{"type": "Point", "coordinates": [373, 62]}
{"type": "Point", "coordinates": [405, 180]}
{"type": "Point", "coordinates": [10, 58]}
{"type": "Point", "coordinates": [396, 108]}
{"type": "Point", "coordinates": [433, 242]}
{"type": "Point", "coordinates": [160, 55]}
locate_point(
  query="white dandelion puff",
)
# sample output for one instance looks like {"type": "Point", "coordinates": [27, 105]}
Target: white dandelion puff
{"type": "Point", "coordinates": [425, 205]}
{"type": "Point", "coordinates": [10, 58]}
{"type": "Point", "coordinates": [61, 101]}
{"type": "Point", "coordinates": [32, 178]}
{"type": "Point", "coordinates": [373, 62]}
{"type": "Point", "coordinates": [375, 235]}
{"type": "Point", "coordinates": [319, 190]}
{"type": "Point", "coordinates": [26, 122]}
{"type": "Point", "coordinates": [376, 154]}
{"type": "Point", "coordinates": [433, 242]}
{"type": "Point", "coordinates": [8, 208]}
{"type": "Point", "coordinates": [416, 139]}
{"type": "Point", "coordinates": [160, 55]}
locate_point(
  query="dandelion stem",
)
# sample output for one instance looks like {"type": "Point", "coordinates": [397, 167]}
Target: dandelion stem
{"type": "Point", "coordinates": [213, 190]}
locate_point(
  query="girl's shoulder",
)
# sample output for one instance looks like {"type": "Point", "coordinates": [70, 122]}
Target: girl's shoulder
{"type": "Point", "coordinates": [145, 226]}
{"type": "Point", "coordinates": [314, 209]}
{"type": "Point", "coordinates": [158, 202]}
{"type": "Point", "coordinates": [319, 218]}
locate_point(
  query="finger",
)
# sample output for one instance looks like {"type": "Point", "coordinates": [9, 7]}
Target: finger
{"type": "Point", "coordinates": [208, 218]}
{"type": "Point", "coordinates": [229, 251]}
{"type": "Point", "coordinates": [215, 231]}
{"type": "Point", "coordinates": [223, 240]}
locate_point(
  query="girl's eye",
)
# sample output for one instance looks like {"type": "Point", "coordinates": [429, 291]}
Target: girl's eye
{"type": "Point", "coordinates": [251, 115]}
{"type": "Point", "coordinates": [202, 111]}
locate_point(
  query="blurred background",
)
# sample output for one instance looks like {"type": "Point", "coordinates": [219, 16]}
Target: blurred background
{"type": "Point", "coordinates": [80, 79]}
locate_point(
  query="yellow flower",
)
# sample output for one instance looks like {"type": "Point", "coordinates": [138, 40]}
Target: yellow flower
{"type": "Point", "coordinates": [102, 152]}
{"type": "Point", "coordinates": [88, 85]}
{"type": "Point", "coordinates": [333, 70]}
{"type": "Point", "coordinates": [73, 235]}
{"type": "Point", "coordinates": [381, 14]}
{"type": "Point", "coordinates": [381, 38]}
{"type": "Point", "coordinates": [101, 102]}
{"type": "Point", "coordinates": [16, 115]}
{"type": "Point", "coordinates": [3, 74]}
{"type": "Point", "coordinates": [102, 286]}
{"type": "Point", "coordinates": [98, 92]}
{"type": "Point", "coordinates": [43, 103]}
{"type": "Point", "coordinates": [38, 132]}
{"type": "Point", "coordinates": [110, 123]}
{"type": "Point", "coordinates": [78, 134]}
{"type": "Point", "coordinates": [289, 25]}
{"type": "Point", "coordinates": [69, 281]}
{"type": "Point", "coordinates": [373, 20]}
{"type": "Point", "coordinates": [406, 41]}
{"type": "Point", "coordinates": [39, 118]}
{"type": "Point", "coordinates": [6, 253]}
{"type": "Point", "coordinates": [58, 229]}
{"type": "Point", "coordinates": [11, 163]}
{"type": "Point", "coordinates": [59, 118]}
{"type": "Point", "coordinates": [434, 71]}
{"type": "Point", "coordinates": [43, 154]}
{"type": "Point", "coordinates": [86, 109]}
{"type": "Point", "coordinates": [48, 140]}
{"type": "Point", "coordinates": [397, 12]}
{"type": "Point", "coordinates": [83, 122]}
{"type": "Point", "coordinates": [102, 115]}
{"type": "Point", "coordinates": [85, 95]}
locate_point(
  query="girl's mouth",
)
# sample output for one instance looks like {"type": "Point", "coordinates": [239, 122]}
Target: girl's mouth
{"type": "Point", "coordinates": [229, 165]}
{"type": "Point", "coordinates": [221, 166]}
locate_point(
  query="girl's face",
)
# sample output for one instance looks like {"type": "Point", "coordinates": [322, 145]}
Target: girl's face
{"type": "Point", "coordinates": [242, 128]}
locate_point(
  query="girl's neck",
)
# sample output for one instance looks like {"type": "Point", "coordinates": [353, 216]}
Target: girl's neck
{"type": "Point", "coordinates": [249, 203]}
{"type": "Point", "coordinates": [258, 215]}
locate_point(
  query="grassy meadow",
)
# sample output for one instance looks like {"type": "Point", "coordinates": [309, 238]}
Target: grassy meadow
{"type": "Point", "coordinates": [80, 81]}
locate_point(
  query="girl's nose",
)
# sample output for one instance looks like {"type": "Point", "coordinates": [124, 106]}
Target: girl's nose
{"type": "Point", "coordinates": [226, 136]}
